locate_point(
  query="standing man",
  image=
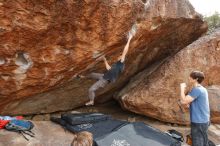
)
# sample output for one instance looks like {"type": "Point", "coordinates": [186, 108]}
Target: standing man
{"type": "Point", "coordinates": [199, 108]}
{"type": "Point", "coordinates": [109, 76]}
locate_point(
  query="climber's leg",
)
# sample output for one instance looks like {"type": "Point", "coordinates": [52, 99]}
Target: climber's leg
{"type": "Point", "coordinates": [99, 84]}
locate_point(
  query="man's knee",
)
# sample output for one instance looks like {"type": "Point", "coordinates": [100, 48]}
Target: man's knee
{"type": "Point", "coordinates": [92, 89]}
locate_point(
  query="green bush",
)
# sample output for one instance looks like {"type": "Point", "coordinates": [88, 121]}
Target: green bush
{"type": "Point", "coordinates": [213, 21]}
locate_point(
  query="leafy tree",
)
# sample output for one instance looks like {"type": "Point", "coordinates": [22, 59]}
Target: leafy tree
{"type": "Point", "coordinates": [213, 21]}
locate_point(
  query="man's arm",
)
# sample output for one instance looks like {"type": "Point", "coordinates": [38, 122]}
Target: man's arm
{"type": "Point", "coordinates": [185, 99]}
{"type": "Point", "coordinates": [108, 67]}
{"type": "Point", "coordinates": [125, 50]}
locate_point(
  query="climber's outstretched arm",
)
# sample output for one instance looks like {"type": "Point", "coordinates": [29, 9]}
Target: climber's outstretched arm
{"type": "Point", "coordinates": [108, 67]}
{"type": "Point", "coordinates": [125, 51]}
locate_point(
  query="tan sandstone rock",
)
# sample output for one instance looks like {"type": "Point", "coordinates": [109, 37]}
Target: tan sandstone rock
{"type": "Point", "coordinates": [156, 93]}
{"type": "Point", "coordinates": [214, 97]}
{"type": "Point", "coordinates": [45, 43]}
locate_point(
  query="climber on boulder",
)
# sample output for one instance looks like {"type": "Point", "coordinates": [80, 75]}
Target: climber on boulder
{"type": "Point", "coordinates": [112, 72]}
{"type": "Point", "coordinates": [109, 76]}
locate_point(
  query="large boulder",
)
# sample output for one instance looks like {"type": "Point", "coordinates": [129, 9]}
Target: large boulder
{"type": "Point", "coordinates": [214, 97]}
{"type": "Point", "coordinates": [156, 93]}
{"type": "Point", "coordinates": [45, 43]}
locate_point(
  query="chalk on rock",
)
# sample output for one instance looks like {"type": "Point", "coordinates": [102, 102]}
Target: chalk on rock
{"type": "Point", "coordinates": [2, 61]}
{"type": "Point", "coordinates": [133, 31]}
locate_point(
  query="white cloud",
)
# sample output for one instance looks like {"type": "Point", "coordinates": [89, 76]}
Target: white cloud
{"type": "Point", "coordinates": [206, 7]}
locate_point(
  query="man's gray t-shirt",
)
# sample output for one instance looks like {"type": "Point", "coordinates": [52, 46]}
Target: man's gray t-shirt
{"type": "Point", "coordinates": [199, 108]}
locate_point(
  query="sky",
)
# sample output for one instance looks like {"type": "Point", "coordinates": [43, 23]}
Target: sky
{"type": "Point", "coordinates": [206, 7]}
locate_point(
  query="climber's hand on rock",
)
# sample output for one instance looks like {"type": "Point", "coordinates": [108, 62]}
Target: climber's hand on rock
{"type": "Point", "coordinates": [101, 58]}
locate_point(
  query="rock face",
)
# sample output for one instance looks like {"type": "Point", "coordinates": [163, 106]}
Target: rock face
{"type": "Point", "coordinates": [46, 134]}
{"type": "Point", "coordinates": [44, 44]}
{"type": "Point", "coordinates": [214, 97]}
{"type": "Point", "coordinates": [156, 94]}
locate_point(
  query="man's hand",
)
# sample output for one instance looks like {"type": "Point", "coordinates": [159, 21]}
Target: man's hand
{"type": "Point", "coordinates": [101, 58]}
{"type": "Point", "coordinates": [107, 66]}
{"type": "Point", "coordinates": [129, 36]}
{"type": "Point", "coordinates": [129, 39]}
{"type": "Point", "coordinates": [132, 32]}
{"type": "Point", "coordinates": [182, 86]}
{"type": "Point", "coordinates": [185, 99]}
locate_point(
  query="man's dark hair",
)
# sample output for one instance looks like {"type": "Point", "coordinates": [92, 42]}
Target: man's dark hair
{"type": "Point", "coordinates": [197, 75]}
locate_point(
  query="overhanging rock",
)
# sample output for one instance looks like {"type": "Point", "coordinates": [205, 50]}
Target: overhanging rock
{"type": "Point", "coordinates": [44, 44]}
